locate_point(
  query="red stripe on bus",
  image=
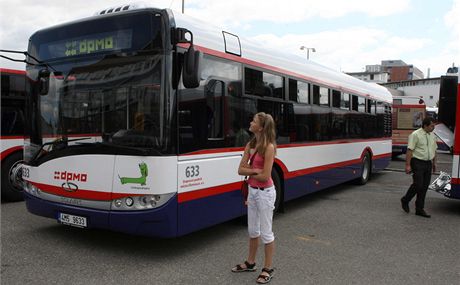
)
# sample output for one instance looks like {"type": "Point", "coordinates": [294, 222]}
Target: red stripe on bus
{"type": "Point", "coordinates": [292, 174]}
{"type": "Point", "coordinates": [13, 71]}
{"type": "Point", "coordinates": [455, 181]}
{"type": "Point", "coordinates": [216, 190]}
{"type": "Point", "coordinates": [9, 151]}
{"type": "Point", "coordinates": [380, 156]}
{"type": "Point", "coordinates": [311, 170]}
{"type": "Point", "coordinates": [11, 137]}
{"type": "Point", "coordinates": [81, 193]}
{"type": "Point", "coordinates": [206, 192]}
{"type": "Point", "coordinates": [293, 145]}
{"type": "Point", "coordinates": [273, 68]}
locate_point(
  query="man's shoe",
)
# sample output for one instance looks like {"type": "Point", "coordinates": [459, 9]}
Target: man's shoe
{"type": "Point", "coordinates": [405, 206]}
{"type": "Point", "coordinates": [422, 214]}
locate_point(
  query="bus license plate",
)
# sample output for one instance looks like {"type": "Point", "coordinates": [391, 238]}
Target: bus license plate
{"type": "Point", "coordinates": [72, 220]}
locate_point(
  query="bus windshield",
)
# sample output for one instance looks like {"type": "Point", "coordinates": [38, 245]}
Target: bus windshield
{"type": "Point", "coordinates": [105, 82]}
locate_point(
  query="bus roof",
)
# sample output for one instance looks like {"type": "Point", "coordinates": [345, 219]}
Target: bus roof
{"type": "Point", "coordinates": [210, 37]}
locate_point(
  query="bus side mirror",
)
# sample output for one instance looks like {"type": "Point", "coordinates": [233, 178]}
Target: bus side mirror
{"type": "Point", "coordinates": [43, 81]}
{"type": "Point", "coordinates": [191, 71]}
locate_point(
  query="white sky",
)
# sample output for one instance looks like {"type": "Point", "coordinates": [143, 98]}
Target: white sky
{"type": "Point", "coordinates": [347, 34]}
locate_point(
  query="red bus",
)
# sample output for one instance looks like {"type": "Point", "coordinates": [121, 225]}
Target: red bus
{"type": "Point", "coordinates": [449, 114]}
{"type": "Point", "coordinates": [407, 115]}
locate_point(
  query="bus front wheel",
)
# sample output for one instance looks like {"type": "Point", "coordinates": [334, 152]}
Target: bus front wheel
{"type": "Point", "coordinates": [10, 192]}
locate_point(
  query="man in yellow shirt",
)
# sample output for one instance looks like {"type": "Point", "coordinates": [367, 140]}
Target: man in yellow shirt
{"type": "Point", "coordinates": [420, 161]}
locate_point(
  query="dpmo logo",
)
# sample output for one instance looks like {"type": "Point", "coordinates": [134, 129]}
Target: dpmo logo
{"type": "Point", "coordinates": [70, 176]}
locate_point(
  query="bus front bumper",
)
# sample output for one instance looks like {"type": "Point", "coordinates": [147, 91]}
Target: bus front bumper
{"type": "Point", "coordinates": [158, 222]}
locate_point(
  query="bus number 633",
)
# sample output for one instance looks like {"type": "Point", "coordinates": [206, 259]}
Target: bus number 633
{"type": "Point", "coordinates": [192, 171]}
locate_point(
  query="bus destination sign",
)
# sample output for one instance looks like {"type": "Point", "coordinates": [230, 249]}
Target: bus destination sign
{"type": "Point", "coordinates": [95, 43]}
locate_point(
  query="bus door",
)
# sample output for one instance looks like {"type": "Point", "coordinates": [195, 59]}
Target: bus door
{"type": "Point", "coordinates": [208, 181]}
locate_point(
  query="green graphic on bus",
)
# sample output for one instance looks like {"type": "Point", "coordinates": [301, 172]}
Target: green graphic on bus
{"type": "Point", "coordinates": [137, 180]}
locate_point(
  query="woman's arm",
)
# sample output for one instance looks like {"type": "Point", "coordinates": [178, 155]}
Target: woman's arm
{"type": "Point", "coordinates": [244, 168]}
{"type": "Point", "coordinates": [266, 173]}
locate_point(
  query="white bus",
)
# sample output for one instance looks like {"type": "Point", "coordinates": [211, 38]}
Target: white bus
{"type": "Point", "coordinates": [170, 99]}
{"type": "Point", "coordinates": [13, 99]}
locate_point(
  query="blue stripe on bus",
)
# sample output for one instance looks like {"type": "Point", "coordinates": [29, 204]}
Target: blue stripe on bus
{"type": "Point", "coordinates": [454, 191]}
{"type": "Point", "coordinates": [208, 211]}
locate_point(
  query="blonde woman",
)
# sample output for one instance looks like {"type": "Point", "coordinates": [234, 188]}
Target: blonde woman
{"type": "Point", "coordinates": [262, 194]}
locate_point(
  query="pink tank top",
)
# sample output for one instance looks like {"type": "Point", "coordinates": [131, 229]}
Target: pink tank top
{"type": "Point", "coordinates": [258, 163]}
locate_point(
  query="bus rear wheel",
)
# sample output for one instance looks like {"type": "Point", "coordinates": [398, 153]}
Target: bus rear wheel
{"type": "Point", "coordinates": [365, 169]}
{"type": "Point", "coordinates": [10, 173]}
{"type": "Point", "coordinates": [277, 182]}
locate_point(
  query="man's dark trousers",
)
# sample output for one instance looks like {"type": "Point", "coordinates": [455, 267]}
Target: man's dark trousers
{"type": "Point", "coordinates": [421, 177]}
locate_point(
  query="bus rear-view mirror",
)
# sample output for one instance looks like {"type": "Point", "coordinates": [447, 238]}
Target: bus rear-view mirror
{"type": "Point", "coordinates": [191, 71]}
{"type": "Point", "coordinates": [43, 81]}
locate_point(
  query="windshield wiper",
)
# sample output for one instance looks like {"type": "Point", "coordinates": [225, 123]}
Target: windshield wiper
{"type": "Point", "coordinates": [25, 53]}
{"type": "Point", "coordinates": [57, 144]}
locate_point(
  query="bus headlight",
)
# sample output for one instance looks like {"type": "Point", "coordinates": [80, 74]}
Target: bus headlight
{"type": "Point", "coordinates": [143, 202]}
{"type": "Point", "coordinates": [31, 189]}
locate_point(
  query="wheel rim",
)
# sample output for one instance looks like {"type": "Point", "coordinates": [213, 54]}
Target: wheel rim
{"type": "Point", "coordinates": [366, 167]}
{"type": "Point", "coordinates": [15, 176]}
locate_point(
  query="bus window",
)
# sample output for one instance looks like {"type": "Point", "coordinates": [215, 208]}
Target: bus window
{"type": "Point", "coordinates": [354, 102]}
{"type": "Point", "coordinates": [262, 83]}
{"type": "Point", "coordinates": [303, 92]}
{"type": "Point", "coordinates": [345, 101]}
{"type": "Point", "coordinates": [320, 95]}
{"type": "Point", "coordinates": [293, 90]}
{"type": "Point", "coordinates": [361, 104]}
{"type": "Point", "coordinates": [299, 91]}
{"type": "Point", "coordinates": [336, 98]}
{"type": "Point", "coordinates": [370, 106]}
{"type": "Point", "coordinates": [316, 94]}
{"type": "Point", "coordinates": [12, 120]}
{"type": "Point", "coordinates": [324, 96]}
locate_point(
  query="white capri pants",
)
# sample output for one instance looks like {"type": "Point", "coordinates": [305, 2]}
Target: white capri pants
{"type": "Point", "coordinates": [261, 204]}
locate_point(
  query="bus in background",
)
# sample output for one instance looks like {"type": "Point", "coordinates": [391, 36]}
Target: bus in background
{"type": "Point", "coordinates": [408, 114]}
{"type": "Point", "coordinates": [13, 88]}
{"type": "Point", "coordinates": [432, 112]}
{"type": "Point", "coordinates": [170, 99]}
{"type": "Point", "coordinates": [449, 114]}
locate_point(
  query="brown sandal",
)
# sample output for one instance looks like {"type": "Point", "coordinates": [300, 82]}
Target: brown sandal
{"type": "Point", "coordinates": [264, 279]}
{"type": "Point", "coordinates": [249, 267]}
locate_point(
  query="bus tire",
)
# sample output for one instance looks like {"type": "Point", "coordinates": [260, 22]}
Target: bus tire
{"type": "Point", "coordinates": [9, 192]}
{"type": "Point", "coordinates": [365, 169]}
{"type": "Point", "coordinates": [279, 191]}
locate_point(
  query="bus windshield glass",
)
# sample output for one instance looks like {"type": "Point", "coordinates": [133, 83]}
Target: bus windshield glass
{"type": "Point", "coordinates": [105, 81]}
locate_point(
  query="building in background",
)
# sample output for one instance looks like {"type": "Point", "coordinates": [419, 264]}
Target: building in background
{"type": "Point", "coordinates": [389, 71]}
{"type": "Point", "coordinates": [398, 70]}
{"type": "Point", "coordinates": [374, 73]}
{"type": "Point", "coordinates": [426, 89]}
